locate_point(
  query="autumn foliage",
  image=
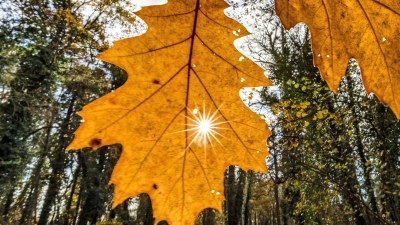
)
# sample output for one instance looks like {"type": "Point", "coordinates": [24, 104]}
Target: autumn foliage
{"type": "Point", "coordinates": [365, 30]}
{"type": "Point", "coordinates": [185, 69]}
{"type": "Point", "coordinates": [184, 66]}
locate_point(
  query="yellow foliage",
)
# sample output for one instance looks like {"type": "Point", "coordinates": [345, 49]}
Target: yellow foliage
{"type": "Point", "coordinates": [365, 30]}
{"type": "Point", "coordinates": [298, 114]}
{"type": "Point", "coordinates": [321, 114]}
{"type": "Point", "coordinates": [183, 67]}
{"type": "Point", "coordinates": [274, 109]}
{"type": "Point", "coordinates": [251, 96]}
{"type": "Point", "coordinates": [301, 114]}
{"type": "Point", "coordinates": [285, 104]}
{"type": "Point", "coordinates": [304, 105]}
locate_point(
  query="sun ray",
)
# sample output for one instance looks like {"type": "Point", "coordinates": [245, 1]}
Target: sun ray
{"type": "Point", "coordinates": [203, 125]}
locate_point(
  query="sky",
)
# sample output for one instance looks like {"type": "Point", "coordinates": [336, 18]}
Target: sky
{"type": "Point", "coordinates": [149, 2]}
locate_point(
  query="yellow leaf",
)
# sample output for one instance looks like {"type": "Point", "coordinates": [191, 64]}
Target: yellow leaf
{"type": "Point", "coordinates": [251, 96]}
{"type": "Point", "coordinates": [183, 68]}
{"type": "Point", "coordinates": [365, 30]}
{"type": "Point", "coordinates": [304, 105]}
{"type": "Point", "coordinates": [320, 114]}
{"type": "Point", "coordinates": [306, 124]}
{"type": "Point", "coordinates": [274, 109]}
{"type": "Point", "coordinates": [286, 104]}
{"type": "Point", "coordinates": [298, 114]}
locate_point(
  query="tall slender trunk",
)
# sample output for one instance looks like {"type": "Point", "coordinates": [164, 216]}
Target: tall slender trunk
{"type": "Point", "coordinates": [347, 175]}
{"type": "Point", "coordinates": [388, 168]}
{"type": "Point", "coordinates": [28, 208]}
{"type": "Point", "coordinates": [208, 217]}
{"type": "Point", "coordinates": [231, 196]}
{"type": "Point", "coordinates": [8, 202]}
{"type": "Point", "coordinates": [67, 213]}
{"type": "Point", "coordinates": [57, 165]}
{"type": "Point", "coordinates": [145, 211]}
{"type": "Point", "coordinates": [361, 151]}
{"type": "Point", "coordinates": [78, 204]}
{"type": "Point", "coordinates": [277, 204]}
{"type": "Point", "coordinates": [19, 202]}
{"type": "Point", "coordinates": [247, 212]}
{"type": "Point", "coordinates": [276, 192]}
{"type": "Point", "coordinates": [31, 201]}
{"type": "Point", "coordinates": [234, 184]}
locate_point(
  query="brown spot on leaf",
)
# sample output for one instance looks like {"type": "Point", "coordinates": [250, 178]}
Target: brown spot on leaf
{"type": "Point", "coordinates": [155, 81]}
{"type": "Point", "coordinates": [155, 186]}
{"type": "Point", "coordinates": [95, 142]}
{"type": "Point", "coordinates": [112, 101]}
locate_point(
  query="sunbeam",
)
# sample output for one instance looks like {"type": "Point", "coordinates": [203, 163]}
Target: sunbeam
{"type": "Point", "coordinates": [204, 126]}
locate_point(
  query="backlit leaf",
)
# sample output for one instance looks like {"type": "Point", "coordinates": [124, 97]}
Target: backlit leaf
{"type": "Point", "coordinates": [184, 66]}
{"type": "Point", "coordinates": [367, 30]}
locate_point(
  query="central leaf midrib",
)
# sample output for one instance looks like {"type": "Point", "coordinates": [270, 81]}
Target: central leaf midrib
{"type": "Point", "coordinates": [196, 12]}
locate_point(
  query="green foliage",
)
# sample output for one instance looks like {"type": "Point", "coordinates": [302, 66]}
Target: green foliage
{"type": "Point", "coordinates": [333, 151]}
{"type": "Point", "coordinates": [47, 73]}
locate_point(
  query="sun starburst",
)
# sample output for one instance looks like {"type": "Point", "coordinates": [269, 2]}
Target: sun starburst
{"type": "Point", "coordinates": [203, 127]}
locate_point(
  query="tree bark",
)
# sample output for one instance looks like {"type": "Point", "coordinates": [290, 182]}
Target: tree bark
{"type": "Point", "coordinates": [31, 202]}
{"type": "Point", "coordinates": [57, 165]}
{"type": "Point", "coordinates": [67, 213]}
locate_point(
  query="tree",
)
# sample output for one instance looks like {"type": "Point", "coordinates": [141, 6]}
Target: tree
{"type": "Point", "coordinates": [48, 73]}
{"type": "Point", "coordinates": [322, 143]}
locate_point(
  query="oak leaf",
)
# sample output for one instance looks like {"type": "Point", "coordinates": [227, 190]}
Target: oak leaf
{"type": "Point", "coordinates": [367, 30]}
{"type": "Point", "coordinates": [184, 67]}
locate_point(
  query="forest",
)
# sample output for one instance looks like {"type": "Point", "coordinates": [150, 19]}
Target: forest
{"type": "Point", "coordinates": [333, 158]}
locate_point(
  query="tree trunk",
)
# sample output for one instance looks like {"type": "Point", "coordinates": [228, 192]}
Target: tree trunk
{"type": "Point", "coordinates": [208, 217]}
{"type": "Point", "coordinates": [145, 211]}
{"type": "Point", "coordinates": [57, 165]}
{"type": "Point", "coordinates": [234, 184]}
{"type": "Point", "coordinates": [247, 212]}
{"type": "Point", "coordinates": [31, 202]}
{"type": "Point", "coordinates": [276, 192]}
{"type": "Point", "coordinates": [347, 175]}
{"type": "Point", "coordinates": [8, 202]}
{"type": "Point", "coordinates": [67, 213]}
{"type": "Point", "coordinates": [360, 148]}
